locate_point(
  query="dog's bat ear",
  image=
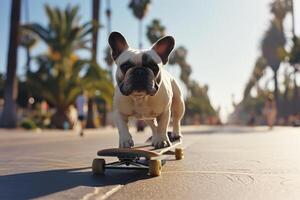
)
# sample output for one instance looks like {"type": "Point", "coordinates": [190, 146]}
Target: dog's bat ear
{"type": "Point", "coordinates": [163, 47]}
{"type": "Point", "coordinates": [117, 43]}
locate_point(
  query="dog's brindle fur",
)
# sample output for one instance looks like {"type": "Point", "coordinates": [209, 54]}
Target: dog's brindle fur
{"type": "Point", "coordinates": [157, 108]}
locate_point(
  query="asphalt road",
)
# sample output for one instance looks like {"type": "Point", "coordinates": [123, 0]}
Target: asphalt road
{"type": "Point", "coordinates": [220, 163]}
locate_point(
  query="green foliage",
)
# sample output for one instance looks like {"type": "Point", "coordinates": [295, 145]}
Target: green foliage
{"type": "Point", "coordinates": [272, 45]}
{"type": "Point", "coordinates": [198, 101]}
{"type": "Point", "coordinates": [155, 31]}
{"type": "Point", "coordinates": [28, 124]}
{"type": "Point", "coordinates": [60, 86]}
{"type": "Point", "coordinates": [257, 73]}
{"type": "Point", "coordinates": [178, 56]}
{"type": "Point", "coordinates": [139, 8]}
{"type": "Point", "coordinates": [61, 74]}
{"type": "Point", "coordinates": [294, 56]}
{"type": "Point", "coordinates": [27, 38]}
{"type": "Point", "coordinates": [280, 8]}
{"type": "Point", "coordinates": [64, 34]}
{"type": "Point", "coordinates": [247, 107]}
{"type": "Point", "coordinates": [255, 105]}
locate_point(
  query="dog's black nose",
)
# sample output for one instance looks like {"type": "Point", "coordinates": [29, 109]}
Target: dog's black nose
{"type": "Point", "coordinates": [140, 72]}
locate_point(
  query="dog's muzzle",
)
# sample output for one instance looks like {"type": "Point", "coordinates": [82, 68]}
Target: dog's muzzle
{"type": "Point", "coordinates": [139, 79]}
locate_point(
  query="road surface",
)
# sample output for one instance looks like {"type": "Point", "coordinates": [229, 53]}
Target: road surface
{"type": "Point", "coordinates": [220, 163]}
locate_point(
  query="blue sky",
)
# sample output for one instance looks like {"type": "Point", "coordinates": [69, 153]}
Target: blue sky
{"type": "Point", "coordinates": [222, 37]}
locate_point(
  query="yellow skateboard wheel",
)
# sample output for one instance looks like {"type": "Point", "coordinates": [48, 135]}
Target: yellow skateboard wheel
{"type": "Point", "coordinates": [179, 153]}
{"type": "Point", "coordinates": [98, 166]}
{"type": "Point", "coordinates": [154, 167]}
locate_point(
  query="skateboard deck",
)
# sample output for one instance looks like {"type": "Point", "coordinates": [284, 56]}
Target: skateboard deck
{"type": "Point", "coordinates": [139, 157]}
{"type": "Point", "coordinates": [145, 150]}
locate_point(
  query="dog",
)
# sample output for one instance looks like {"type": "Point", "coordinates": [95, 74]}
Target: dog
{"type": "Point", "coordinates": [145, 90]}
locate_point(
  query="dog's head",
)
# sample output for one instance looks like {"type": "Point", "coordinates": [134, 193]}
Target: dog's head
{"type": "Point", "coordinates": [139, 71]}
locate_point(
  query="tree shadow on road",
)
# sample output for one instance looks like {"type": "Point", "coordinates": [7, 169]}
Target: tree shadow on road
{"type": "Point", "coordinates": [38, 184]}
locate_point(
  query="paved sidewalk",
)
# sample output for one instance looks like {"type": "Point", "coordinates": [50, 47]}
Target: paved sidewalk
{"type": "Point", "coordinates": [219, 163]}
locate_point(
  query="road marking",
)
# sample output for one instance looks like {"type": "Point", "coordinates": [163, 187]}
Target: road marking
{"type": "Point", "coordinates": [89, 195]}
{"type": "Point", "coordinates": [105, 196]}
{"type": "Point", "coordinates": [112, 191]}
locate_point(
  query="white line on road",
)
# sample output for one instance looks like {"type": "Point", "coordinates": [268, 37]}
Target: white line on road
{"type": "Point", "coordinates": [105, 196]}
{"type": "Point", "coordinates": [112, 191]}
{"type": "Point", "coordinates": [89, 195]}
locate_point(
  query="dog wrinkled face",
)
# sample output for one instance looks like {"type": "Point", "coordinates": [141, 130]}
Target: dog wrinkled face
{"type": "Point", "coordinates": [138, 72]}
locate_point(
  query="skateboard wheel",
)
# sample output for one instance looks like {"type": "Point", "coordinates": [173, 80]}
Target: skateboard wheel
{"type": "Point", "coordinates": [179, 153]}
{"type": "Point", "coordinates": [154, 167]}
{"type": "Point", "coordinates": [98, 166]}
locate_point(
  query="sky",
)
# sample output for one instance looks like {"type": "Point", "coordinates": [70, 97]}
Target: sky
{"type": "Point", "coordinates": [222, 37]}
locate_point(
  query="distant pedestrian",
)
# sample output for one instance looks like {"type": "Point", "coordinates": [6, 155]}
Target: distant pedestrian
{"type": "Point", "coordinates": [270, 111]}
{"type": "Point", "coordinates": [82, 108]}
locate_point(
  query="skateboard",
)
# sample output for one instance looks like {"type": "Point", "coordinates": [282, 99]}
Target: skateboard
{"type": "Point", "coordinates": [140, 157]}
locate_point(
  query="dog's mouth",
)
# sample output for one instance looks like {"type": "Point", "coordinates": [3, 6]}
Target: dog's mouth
{"type": "Point", "coordinates": [138, 95]}
{"type": "Point", "coordinates": [138, 82]}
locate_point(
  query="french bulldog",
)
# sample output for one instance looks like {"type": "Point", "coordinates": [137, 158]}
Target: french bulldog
{"type": "Point", "coordinates": [145, 90]}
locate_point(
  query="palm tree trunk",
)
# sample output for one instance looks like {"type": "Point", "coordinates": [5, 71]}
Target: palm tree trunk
{"type": "Point", "coordinates": [285, 103]}
{"type": "Point", "coordinates": [8, 117]}
{"type": "Point", "coordinates": [295, 95]}
{"type": "Point", "coordinates": [61, 119]}
{"type": "Point", "coordinates": [90, 116]}
{"type": "Point", "coordinates": [293, 17]}
{"type": "Point", "coordinates": [28, 60]}
{"type": "Point", "coordinates": [90, 121]}
{"type": "Point", "coordinates": [95, 9]}
{"type": "Point", "coordinates": [140, 31]}
{"type": "Point", "coordinates": [276, 93]}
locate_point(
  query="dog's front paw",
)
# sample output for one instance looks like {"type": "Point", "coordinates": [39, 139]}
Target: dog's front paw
{"type": "Point", "coordinates": [174, 137]}
{"type": "Point", "coordinates": [126, 142]}
{"type": "Point", "coordinates": [159, 141]}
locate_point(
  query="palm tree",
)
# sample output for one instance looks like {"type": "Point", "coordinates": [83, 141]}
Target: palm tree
{"type": "Point", "coordinates": [198, 103]}
{"type": "Point", "coordinates": [27, 41]}
{"type": "Point", "coordinates": [61, 74]}
{"type": "Point", "coordinates": [179, 57]}
{"type": "Point", "coordinates": [257, 74]}
{"type": "Point", "coordinates": [8, 117]}
{"type": "Point", "coordinates": [294, 56]}
{"type": "Point", "coordinates": [140, 9]}
{"type": "Point", "coordinates": [155, 31]}
{"type": "Point", "coordinates": [294, 60]}
{"type": "Point", "coordinates": [272, 47]}
{"type": "Point", "coordinates": [280, 8]}
{"type": "Point", "coordinates": [197, 100]}
{"type": "Point", "coordinates": [61, 88]}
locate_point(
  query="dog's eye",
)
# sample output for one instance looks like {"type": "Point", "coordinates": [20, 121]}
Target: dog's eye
{"type": "Point", "coordinates": [126, 66]}
{"type": "Point", "coordinates": [154, 68]}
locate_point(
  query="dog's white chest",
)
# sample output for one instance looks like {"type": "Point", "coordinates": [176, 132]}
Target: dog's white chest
{"type": "Point", "coordinates": [144, 110]}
